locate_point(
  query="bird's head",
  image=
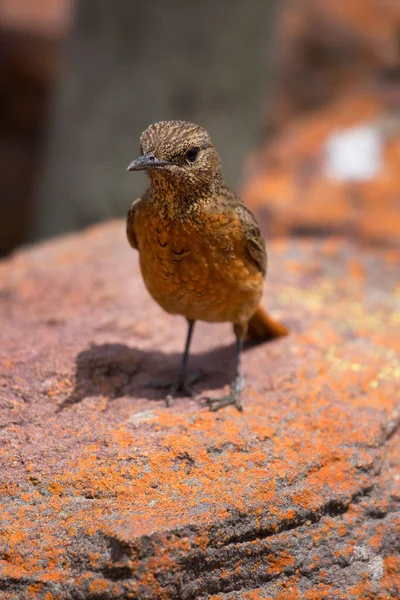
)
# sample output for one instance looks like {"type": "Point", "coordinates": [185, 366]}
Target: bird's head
{"type": "Point", "coordinates": [181, 153]}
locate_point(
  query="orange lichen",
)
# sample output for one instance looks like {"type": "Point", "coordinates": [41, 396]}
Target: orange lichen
{"type": "Point", "coordinates": [278, 562]}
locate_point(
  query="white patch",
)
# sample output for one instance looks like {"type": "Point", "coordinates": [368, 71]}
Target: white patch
{"type": "Point", "coordinates": [354, 154]}
{"type": "Point", "coordinates": [376, 568]}
{"type": "Point", "coordinates": [146, 415]}
{"type": "Point", "coordinates": [375, 563]}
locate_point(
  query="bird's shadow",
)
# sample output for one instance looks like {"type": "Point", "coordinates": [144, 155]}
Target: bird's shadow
{"type": "Point", "coordinates": [116, 370]}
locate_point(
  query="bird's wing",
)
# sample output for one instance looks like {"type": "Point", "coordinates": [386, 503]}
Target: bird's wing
{"type": "Point", "coordinates": [254, 241]}
{"type": "Point", "coordinates": [255, 245]}
{"type": "Point", "coordinates": [130, 223]}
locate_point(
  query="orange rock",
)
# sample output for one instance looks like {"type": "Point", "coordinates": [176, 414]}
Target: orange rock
{"type": "Point", "coordinates": [292, 188]}
{"type": "Point", "coordinates": [48, 17]}
{"type": "Point", "coordinates": [326, 48]}
{"type": "Point", "coordinates": [105, 493]}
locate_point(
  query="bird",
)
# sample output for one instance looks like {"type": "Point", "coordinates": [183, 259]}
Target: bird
{"type": "Point", "coordinates": [201, 251]}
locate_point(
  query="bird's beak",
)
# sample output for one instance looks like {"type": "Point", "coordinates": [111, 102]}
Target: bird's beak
{"type": "Point", "coordinates": [145, 162]}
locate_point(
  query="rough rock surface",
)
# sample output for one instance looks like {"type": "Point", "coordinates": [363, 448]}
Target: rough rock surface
{"type": "Point", "coordinates": [107, 494]}
{"type": "Point", "coordinates": [293, 189]}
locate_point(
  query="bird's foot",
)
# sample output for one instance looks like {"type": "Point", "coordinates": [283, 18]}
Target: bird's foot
{"type": "Point", "coordinates": [181, 384]}
{"type": "Point", "coordinates": [233, 398]}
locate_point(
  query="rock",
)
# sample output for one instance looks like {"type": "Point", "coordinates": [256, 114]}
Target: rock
{"type": "Point", "coordinates": [335, 172]}
{"type": "Point", "coordinates": [44, 17]}
{"type": "Point", "coordinates": [106, 493]}
{"type": "Point", "coordinates": [328, 48]}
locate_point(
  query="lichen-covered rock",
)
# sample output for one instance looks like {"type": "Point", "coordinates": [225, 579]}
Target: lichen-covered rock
{"type": "Point", "coordinates": [335, 172]}
{"type": "Point", "coordinates": [107, 494]}
{"type": "Point", "coordinates": [328, 47]}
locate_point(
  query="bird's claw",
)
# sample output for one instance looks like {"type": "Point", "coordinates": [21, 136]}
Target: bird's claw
{"type": "Point", "coordinates": [183, 385]}
{"type": "Point", "coordinates": [233, 398]}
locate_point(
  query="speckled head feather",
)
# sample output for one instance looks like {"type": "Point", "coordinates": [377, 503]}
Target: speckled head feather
{"type": "Point", "coordinates": [185, 159]}
{"type": "Point", "coordinates": [168, 139]}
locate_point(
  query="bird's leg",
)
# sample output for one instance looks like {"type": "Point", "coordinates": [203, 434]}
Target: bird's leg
{"type": "Point", "coordinates": [234, 396]}
{"type": "Point", "coordinates": [182, 382]}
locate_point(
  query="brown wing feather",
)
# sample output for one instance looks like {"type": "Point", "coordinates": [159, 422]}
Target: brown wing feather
{"type": "Point", "coordinates": [130, 223]}
{"type": "Point", "coordinates": [255, 245]}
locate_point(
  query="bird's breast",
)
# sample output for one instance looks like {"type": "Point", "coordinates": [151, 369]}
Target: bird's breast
{"type": "Point", "coordinates": [196, 268]}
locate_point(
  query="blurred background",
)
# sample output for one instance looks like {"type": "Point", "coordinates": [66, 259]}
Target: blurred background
{"type": "Point", "coordinates": [301, 97]}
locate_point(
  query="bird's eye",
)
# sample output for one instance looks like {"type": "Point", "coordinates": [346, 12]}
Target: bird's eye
{"type": "Point", "coordinates": [192, 154]}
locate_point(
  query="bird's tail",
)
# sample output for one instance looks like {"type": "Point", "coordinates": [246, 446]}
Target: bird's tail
{"type": "Point", "coordinates": [263, 328]}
